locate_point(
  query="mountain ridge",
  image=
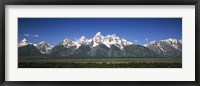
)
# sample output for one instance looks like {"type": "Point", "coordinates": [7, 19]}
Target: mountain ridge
{"type": "Point", "coordinates": [168, 47]}
{"type": "Point", "coordinates": [108, 46]}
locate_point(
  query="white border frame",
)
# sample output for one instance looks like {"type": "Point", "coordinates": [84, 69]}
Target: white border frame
{"type": "Point", "coordinates": [186, 73]}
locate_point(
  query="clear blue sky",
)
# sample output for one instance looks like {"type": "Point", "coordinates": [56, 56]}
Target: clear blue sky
{"type": "Point", "coordinates": [137, 30]}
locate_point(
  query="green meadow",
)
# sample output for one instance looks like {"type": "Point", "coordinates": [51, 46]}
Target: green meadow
{"type": "Point", "coordinates": [123, 62]}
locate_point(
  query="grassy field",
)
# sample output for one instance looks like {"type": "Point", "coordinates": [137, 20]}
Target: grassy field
{"type": "Point", "coordinates": [100, 63]}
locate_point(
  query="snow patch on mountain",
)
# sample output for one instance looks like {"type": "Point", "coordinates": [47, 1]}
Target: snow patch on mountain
{"type": "Point", "coordinates": [68, 42]}
{"type": "Point", "coordinates": [82, 41]}
{"type": "Point", "coordinates": [109, 40]}
{"type": "Point", "coordinates": [44, 47]}
{"type": "Point", "coordinates": [173, 42]}
{"type": "Point", "coordinates": [115, 40]}
{"type": "Point", "coordinates": [24, 42]}
{"type": "Point", "coordinates": [97, 40]}
{"type": "Point", "coordinates": [170, 47]}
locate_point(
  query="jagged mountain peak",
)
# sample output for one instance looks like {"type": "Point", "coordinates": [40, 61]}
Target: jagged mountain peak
{"type": "Point", "coordinates": [169, 47]}
{"type": "Point", "coordinates": [177, 44]}
{"type": "Point", "coordinates": [98, 34]}
{"type": "Point", "coordinates": [24, 42]}
{"type": "Point", "coordinates": [44, 47]}
{"type": "Point", "coordinates": [82, 37]}
{"type": "Point", "coordinates": [172, 40]}
{"type": "Point", "coordinates": [82, 41]}
{"type": "Point", "coordinates": [98, 39]}
{"type": "Point", "coordinates": [67, 42]}
{"type": "Point", "coordinates": [113, 35]}
{"type": "Point", "coordinates": [109, 45]}
{"type": "Point", "coordinates": [117, 41]}
{"type": "Point", "coordinates": [42, 42]}
{"type": "Point", "coordinates": [169, 40]}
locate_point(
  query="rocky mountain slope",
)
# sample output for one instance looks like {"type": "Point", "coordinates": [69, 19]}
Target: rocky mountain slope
{"type": "Point", "coordinates": [103, 46]}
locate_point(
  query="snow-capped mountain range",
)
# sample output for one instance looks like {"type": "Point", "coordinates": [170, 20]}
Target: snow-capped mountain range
{"type": "Point", "coordinates": [24, 42]}
{"type": "Point", "coordinates": [166, 47]}
{"type": "Point", "coordinates": [96, 40]}
{"type": "Point", "coordinates": [112, 45]}
{"type": "Point", "coordinates": [44, 47]}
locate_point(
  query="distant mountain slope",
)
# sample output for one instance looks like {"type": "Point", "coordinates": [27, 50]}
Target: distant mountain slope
{"type": "Point", "coordinates": [138, 51]}
{"type": "Point", "coordinates": [44, 47]}
{"type": "Point", "coordinates": [28, 50]}
{"type": "Point", "coordinates": [169, 47]}
{"type": "Point", "coordinates": [102, 46]}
